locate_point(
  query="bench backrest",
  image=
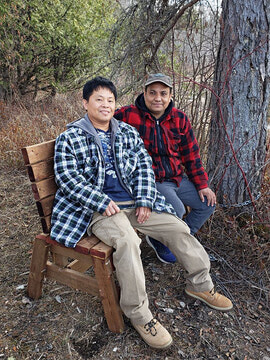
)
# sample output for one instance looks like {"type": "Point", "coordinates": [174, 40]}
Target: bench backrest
{"type": "Point", "coordinates": [39, 163]}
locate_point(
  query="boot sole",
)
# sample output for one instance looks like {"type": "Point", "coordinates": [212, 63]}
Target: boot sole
{"type": "Point", "coordinates": [207, 303]}
{"type": "Point", "coordinates": [163, 347]}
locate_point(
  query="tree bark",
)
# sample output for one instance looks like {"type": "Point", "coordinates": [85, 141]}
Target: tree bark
{"type": "Point", "coordinates": [237, 150]}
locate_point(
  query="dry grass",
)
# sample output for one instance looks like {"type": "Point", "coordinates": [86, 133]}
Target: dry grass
{"type": "Point", "coordinates": [28, 122]}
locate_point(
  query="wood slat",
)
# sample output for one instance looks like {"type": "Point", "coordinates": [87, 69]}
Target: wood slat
{"type": "Point", "coordinates": [45, 206]}
{"type": "Point", "coordinates": [72, 278]}
{"type": "Point", "coordinates": [41, 170]}
{"type": "Point", "coordinates": [85, 245]}
{"type": "Point", "coordinates": [60, 260]}
{"type": "Point", "coordinates": [39, 152]}
{"type": "Point", "coordinates": [69, 252]}
{"type": "Point", "coordinates": [44, 188]}
{"type": "Point", "coordinates": [80, 266]}
{"type": "Point", "coordinates": [46, 224]}
{"type": "Point", "coordinates": [101, 251]}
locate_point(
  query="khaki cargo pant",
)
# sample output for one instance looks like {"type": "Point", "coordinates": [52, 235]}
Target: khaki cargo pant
{"type": "Point", "coordinates": [118, 232]}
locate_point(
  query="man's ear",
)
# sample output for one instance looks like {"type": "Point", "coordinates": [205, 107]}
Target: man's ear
{"type": "Point", "coordinates": [85, 104]}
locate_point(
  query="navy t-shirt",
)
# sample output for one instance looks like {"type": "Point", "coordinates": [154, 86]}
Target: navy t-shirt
{"type": "Point", "coordinates": [112, 186]}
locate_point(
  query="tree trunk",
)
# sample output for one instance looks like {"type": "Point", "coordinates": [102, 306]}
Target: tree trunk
{"type": "Point", "coordinates": [239, 106]}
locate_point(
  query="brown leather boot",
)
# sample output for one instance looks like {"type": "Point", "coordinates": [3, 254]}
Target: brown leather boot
{"type": "Point", "coordinates": [213, 299]}
{"type": "Point", "coordinates": [154, 334]}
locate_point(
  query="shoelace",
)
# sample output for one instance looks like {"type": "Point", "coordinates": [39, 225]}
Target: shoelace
{"type": "Point", "coordinates": [150, 327]}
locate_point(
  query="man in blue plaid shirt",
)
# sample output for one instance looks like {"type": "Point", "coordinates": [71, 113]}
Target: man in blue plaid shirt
{"type": "Point", "coordinates": [107, 187]}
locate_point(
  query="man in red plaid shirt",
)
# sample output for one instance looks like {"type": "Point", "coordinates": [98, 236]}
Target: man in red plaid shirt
{"type": "Point", "coordinates": [170, 141]}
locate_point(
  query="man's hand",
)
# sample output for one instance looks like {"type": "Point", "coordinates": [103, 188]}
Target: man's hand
{"type": "Point", "coordinates": [210, 195]}
{"type": "Point", "coordinates": [111, 209]}
{"type": "Point", "coordinates": [143, 214]}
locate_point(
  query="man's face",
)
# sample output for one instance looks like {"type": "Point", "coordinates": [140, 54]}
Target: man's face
{"type": "Point", "coordinates": [100, 108]}
{"type": "Point", "coordinates": [157, 98]}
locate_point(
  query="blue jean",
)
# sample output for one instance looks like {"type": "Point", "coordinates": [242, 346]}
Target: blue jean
{"type": "Point", "coordinates": [186, 194]}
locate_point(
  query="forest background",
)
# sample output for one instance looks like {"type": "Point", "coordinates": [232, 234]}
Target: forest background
{"type": "Point", "coordinates": [48, 50]}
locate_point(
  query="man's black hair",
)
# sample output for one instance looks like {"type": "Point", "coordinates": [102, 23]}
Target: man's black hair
{"type": "Point", "coordinates": [96, 83]}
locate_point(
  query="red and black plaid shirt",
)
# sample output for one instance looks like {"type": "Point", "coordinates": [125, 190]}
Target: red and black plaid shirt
{"type": "Point", "coordinates": [170, 141]}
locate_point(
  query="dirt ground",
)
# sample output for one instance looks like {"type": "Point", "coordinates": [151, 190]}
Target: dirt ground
{"type": "Point", "coordinates": [66, 324]}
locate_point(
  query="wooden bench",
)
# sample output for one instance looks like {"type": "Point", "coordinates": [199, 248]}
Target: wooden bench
{"type": "Point", "coordinates": [67, 265]}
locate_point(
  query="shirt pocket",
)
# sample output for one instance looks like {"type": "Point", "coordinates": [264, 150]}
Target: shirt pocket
{"type": "Point", "coordinates": [90, 169]}
{"type": "Point", "coordinates": [129, 163]}
{"type": "Point", "coordinates": [173, 141]}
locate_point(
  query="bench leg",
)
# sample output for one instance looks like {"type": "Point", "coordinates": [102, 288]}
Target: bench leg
{"type": "Point", "coordinates": [60, 260]}
{"type": "Point", "coordinates": [37, 268]}
{"type": "Point", "coordinates": [109, 294]}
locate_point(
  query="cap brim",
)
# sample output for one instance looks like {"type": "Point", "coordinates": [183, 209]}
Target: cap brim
{"type": "Point", "coordinates": [156, 81]}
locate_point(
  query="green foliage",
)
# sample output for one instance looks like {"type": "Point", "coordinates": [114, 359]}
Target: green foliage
{"type": "Point", "coordinates": [47, 45]}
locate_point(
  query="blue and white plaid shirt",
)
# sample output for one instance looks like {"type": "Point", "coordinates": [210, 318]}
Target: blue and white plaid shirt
{"type": "Point", "coordinates": [80, 173]}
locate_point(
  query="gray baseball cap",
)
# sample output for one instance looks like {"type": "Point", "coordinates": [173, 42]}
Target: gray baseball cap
{"type": "Point", "coordinates": [152, 78]}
